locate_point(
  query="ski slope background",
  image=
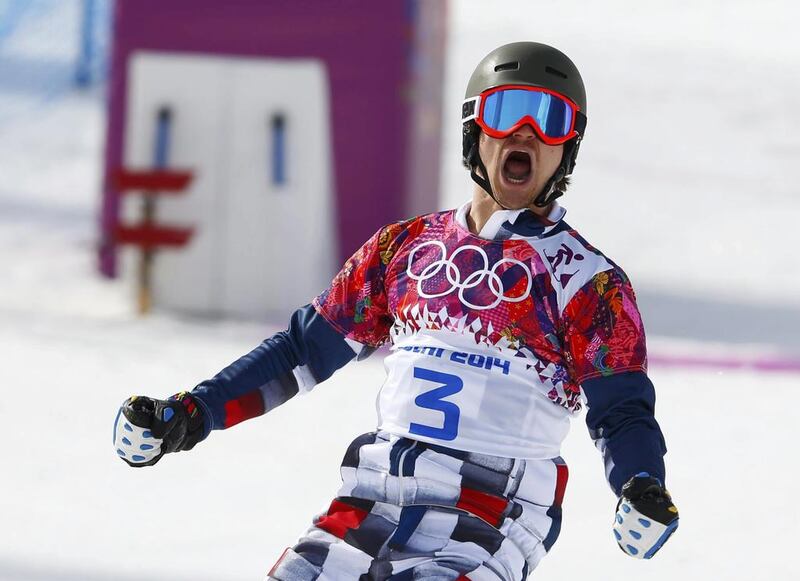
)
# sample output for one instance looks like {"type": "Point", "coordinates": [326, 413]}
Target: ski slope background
{"type": "Point", "coordinates": [687, 178]}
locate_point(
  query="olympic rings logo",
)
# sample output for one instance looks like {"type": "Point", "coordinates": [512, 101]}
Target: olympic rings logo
{"type": "Point", "coordinates": [457, 281]}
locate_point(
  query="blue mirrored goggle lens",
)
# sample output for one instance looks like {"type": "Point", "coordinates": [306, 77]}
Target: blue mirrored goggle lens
{"type": "Point", "coordinates": [503, 109]}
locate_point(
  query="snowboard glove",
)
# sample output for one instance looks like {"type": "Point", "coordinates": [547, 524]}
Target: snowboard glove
{"type": "Point", "coordinates": [646, 517]}
{"type": "Point", "coordinates": [147, 428]}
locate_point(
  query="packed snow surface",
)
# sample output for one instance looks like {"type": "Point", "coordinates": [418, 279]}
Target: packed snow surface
{"type": "Point", "coordinates": [686, 179]}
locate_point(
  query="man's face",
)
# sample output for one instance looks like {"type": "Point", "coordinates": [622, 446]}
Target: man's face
{"type": "Point", "coordinates": [518, 166]}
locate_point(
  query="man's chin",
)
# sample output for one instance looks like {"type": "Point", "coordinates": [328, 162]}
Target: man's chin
{"type": "Point", "coordinates": [515, 195]}
{"type": "Point", "coordinates": [515, 200]}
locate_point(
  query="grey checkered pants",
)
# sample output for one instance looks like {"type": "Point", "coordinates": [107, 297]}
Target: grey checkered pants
{"type": "Point", "coordinates": [409, 510]}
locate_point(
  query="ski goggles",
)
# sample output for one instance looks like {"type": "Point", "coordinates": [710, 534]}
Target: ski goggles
{"type": "Point", "coordinates": [499, 112]}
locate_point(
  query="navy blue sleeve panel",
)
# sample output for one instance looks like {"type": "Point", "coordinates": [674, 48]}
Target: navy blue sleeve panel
{"type": "Point", "coordinates": [307, 353]}
{"type": "Point", "coordinates": [622, 423]}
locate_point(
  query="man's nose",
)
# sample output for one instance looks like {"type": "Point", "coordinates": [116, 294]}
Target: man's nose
{"type": "Point", "coordinates": [524, 132]}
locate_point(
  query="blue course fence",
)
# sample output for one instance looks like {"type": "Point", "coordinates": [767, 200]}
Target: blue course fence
{"type": "Point", "coordinates": [49, 48]}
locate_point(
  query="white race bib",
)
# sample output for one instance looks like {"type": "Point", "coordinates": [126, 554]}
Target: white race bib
{"type": "Point", "coordinates": [469, 400]}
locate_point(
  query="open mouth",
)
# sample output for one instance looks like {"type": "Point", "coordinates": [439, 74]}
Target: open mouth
{"type": "Point", "coordinates": [518, 167]}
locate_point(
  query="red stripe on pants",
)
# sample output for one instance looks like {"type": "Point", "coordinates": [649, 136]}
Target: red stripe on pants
{"type": "Point", "coordinates": [486, 506]}
{"type": "Point", "coordinates": [340, 518]}
{"type": "Point", "coordinates": [562, 475]}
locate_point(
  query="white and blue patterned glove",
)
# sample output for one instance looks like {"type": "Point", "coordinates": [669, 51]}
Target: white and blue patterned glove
{"type": "Point", "coordinates": [645, 516]}
{"type": "Point", "coordinates": [146, 428]}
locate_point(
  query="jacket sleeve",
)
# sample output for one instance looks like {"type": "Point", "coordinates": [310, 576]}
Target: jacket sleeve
{"type": "Point", "coordinates": [347, 320]}
{"type": "Point", "coordinates": [295, 360]}
{"type": "Point", "coordinates": [357, 303]}
{"type": "Point", "coordinates": [606, 350]}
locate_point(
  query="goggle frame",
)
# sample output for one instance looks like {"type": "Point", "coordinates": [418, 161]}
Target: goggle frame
{"type": "Point", "coordinates": [473, 109]}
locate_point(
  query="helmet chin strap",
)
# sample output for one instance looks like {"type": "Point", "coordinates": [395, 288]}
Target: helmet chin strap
{"type": "Point", "coordinates": [550, 193]}
{"type": "Point", "coordinates": [476, 161]}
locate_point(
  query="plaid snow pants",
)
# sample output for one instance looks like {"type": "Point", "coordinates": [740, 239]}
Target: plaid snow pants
{"type": "Point", "coordinates": [408, 510]}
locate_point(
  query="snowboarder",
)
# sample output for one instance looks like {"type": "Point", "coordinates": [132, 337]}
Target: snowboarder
{"type": "Point", "coordinates": [503, 321]}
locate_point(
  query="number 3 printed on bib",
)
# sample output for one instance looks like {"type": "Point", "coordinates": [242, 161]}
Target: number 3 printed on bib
{"type": "Point", "coordinates": [434, 400]}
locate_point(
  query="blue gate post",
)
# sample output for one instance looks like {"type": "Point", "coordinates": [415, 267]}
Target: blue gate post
{"type": "Point", "coordinates": [86, 57]}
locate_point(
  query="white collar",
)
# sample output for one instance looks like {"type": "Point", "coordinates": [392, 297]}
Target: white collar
{"type": "Point", "coordinates": [499, 217]}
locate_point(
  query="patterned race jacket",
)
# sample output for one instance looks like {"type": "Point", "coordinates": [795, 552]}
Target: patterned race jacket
{"type": "Point", "coordinates": [491, 335]}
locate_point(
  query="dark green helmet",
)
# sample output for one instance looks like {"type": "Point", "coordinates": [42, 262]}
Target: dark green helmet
{"type": "Point", "coordinates": [536, 65]}
{"type": "Point", "coordinates": [532, 64]}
